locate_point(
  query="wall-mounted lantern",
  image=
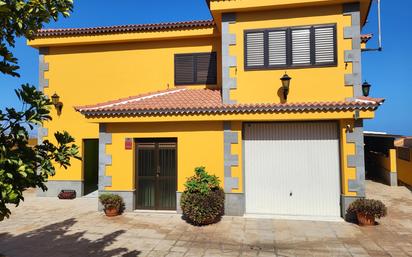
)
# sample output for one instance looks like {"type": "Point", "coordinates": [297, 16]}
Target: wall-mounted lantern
{"type": "Point", "coordinates": [366, 88]}
{"type": "Point", "coordinates": [57, 104]}
{"type": "Point", "coordinates": [285, 85]}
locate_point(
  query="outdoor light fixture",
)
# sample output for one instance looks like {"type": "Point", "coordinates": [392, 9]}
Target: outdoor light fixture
{"type": "Point", "coordinates": [366, 88]}
{"type": "Point", "coordinates": [285, 85]}
{"type": "Point", "coordinates": [57, 104]}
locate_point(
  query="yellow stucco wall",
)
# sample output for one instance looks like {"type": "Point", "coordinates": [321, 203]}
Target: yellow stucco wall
{"type": "Point", "coordinates": [89, 74]}
{"type": "Point", "coordinates": [199, 144]}
{"type": "Point", "coordinates": [405, 170]}
{"type": "Point", "coordinates": [307, 84]}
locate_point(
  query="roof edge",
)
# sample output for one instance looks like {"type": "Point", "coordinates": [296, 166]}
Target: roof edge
{"type": "Point", "coordinates": [120, 29]}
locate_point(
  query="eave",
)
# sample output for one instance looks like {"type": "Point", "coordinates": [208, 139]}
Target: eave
{"type": "Point", "coordinates": [200, 104]}
{"type": "Point", "coordinates": [124, 34]}
{"type": "Point", "coordinates": [217, 7]}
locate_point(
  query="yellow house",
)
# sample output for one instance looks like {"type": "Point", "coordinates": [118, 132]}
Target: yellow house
{"type": "Point", "coordinates": [267, 96]}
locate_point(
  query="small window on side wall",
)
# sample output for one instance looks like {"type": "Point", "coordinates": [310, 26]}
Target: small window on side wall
{"type": "Point", "coordinates": [195, 69]}
{"type": "Point", "coordinates": [293, 47]}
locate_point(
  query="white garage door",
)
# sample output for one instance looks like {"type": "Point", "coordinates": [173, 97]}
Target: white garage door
{"type": "Point", "coordinates": [292, 169]}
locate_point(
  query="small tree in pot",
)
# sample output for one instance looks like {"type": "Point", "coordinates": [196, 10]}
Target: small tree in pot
{"type": "Point", "coordinates": [367, 210]}
{"type": "Point", "coordinates": [113, 204]}
{"type": "Point", "coordinates": [203, 200]}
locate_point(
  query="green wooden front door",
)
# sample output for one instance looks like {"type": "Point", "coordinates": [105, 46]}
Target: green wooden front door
{"type": "Point", "coordinates": [156, 174]}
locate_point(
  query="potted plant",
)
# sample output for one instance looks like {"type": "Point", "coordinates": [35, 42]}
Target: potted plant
{"type": "Point", "coordinates": [67, 194]}
{"type": "Point", "coordinates": [203, 200]}
{"type": "Point", "coordinates": [113, 204]}
{"type": "Point", "coordinates": [367, 210]}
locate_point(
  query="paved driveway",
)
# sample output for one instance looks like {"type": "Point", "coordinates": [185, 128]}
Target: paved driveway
{"type": "Point", "coordinates": [50, 227]}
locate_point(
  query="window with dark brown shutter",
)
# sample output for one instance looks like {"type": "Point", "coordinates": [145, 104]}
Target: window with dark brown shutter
{"type": "Point", "coordinates": [293, 47]}
{"type": "Point", "coordinates": [194, 69]}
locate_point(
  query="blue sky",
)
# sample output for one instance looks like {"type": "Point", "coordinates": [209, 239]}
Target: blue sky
{"type": "Point", "coordinates": [386, 70]}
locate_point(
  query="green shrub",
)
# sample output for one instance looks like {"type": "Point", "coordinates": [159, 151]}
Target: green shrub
{"type": "Point", "coordinates": [110, 201]}
{"type": "Point", "coordinates": [202, 182]}
{"type": "Point", "coordinates": [203, 200]}
{"type": "Point", "coordinates": [368, 207]}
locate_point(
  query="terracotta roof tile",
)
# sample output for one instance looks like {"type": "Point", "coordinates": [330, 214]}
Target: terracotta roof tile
{"type": "Point", "coordinates": [182, 101]}
{"type": "Point", "coordinates": [124, 28]}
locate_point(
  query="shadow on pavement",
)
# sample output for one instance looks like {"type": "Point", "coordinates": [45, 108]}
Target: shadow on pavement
{"type": "Point", "coordinates": [56, 240]}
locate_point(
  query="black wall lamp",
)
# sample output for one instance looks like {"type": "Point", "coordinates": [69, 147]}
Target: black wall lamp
{"type": "Point", "coordinates": [57, 104]}
{"type": "Point", "coordinates": [366, 87]}
{"type": "Point", "coordinates": [285, 85]}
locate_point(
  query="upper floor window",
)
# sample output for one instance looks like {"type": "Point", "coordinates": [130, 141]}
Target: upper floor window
{"type": "Point", "coordinates": [291, 47]}
{"type": "Point", "coordinates": [197, 68]}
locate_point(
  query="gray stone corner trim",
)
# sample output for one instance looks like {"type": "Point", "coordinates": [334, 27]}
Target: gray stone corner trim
{"type": "Point", "coordinates": [41, 133]}
{"type": "Point", "coordinates": [55, 186]}
{"type": "Point", "coordinates": [128, 198]}
{"type": "Point", "coordinates": [229, 17]}
{"type": "Point", "coordinates": [43, 67]}
{"type": "Point", "coordinates": [357, 160]}
{"type": "Point", "coordinates": [228, 61]}
{"type": "Point", "coordinates": [353, 56]}
{"type": "Point", "coordinates": [230, 160]}
{"type": "Point", "coordinates": [104, 159]}
{"type": "Point", "coordinates": [234, 204]}
{"type": "Point", "coordinates": [345, 201]}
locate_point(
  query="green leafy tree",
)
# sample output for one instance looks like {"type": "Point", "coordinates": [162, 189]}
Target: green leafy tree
{"type": "Point", "coordinates": [23, 166]}
{"type": "Point", "coordinates": [22, 18]}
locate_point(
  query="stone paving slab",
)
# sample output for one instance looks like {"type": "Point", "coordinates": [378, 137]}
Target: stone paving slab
{"type": "Point", "coordinates": [50, 227]}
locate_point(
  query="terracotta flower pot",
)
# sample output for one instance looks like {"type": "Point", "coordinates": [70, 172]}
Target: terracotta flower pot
{"type": "Point", "coordinates": [111, 212]}
{"type": "Point", "coordinates": [365, 220]}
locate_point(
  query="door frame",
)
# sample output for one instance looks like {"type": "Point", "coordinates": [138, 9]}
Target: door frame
{"type": "Point", "coordinates": [136, 141]}
{"type": "Point", "coordinates": [83, 163]}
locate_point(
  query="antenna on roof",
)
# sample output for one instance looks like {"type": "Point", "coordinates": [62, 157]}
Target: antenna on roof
{"type": "Point", "coordinates": [379, 31]}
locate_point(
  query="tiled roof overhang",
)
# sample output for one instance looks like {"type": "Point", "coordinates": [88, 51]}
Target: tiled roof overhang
{"type": "Point", "coordinates": [124, 29]}
{"type": "Point", "coordinates": [209, 102]}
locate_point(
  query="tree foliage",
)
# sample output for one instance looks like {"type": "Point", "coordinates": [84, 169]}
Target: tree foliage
{"type": "Point", "coordinates": [23, 166]}
{"type": "Point", "coordinates": [22, 18]}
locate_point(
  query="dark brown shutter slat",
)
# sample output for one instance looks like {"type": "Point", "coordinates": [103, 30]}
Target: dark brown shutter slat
{"type": "Point", "coordinates": [206, 68]}
{"type": "Point", "coordinates": [184, 69]}
{"type": "Point", "coordinates": [199, 68]}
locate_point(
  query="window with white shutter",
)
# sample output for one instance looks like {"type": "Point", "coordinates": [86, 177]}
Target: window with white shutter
{"type": "Point", "coordinates": [198, 68]}
{"type": "Point", "coordinates": [277, 50]}
{"type": "Point", "coordinates": [293, 47]}
{"type": "Point", "coordinates": [324, 45]}
{"type": "Point", "coordinates": [255, 54]}
{"type": "Point", "coordinates": [301, 47]}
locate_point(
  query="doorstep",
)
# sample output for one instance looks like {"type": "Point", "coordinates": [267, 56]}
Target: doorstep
{"type": "Point", "coordinates": [155, 211]}
{"type": "Point", "coordinates": [294, 217]}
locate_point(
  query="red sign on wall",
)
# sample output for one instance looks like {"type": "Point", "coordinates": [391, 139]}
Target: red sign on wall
{"type": "Point", "coordinates": [128, 144]}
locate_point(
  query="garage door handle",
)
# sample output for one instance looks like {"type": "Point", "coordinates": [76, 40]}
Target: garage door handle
{"type": "Point", "coordinates": [290, 194]}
